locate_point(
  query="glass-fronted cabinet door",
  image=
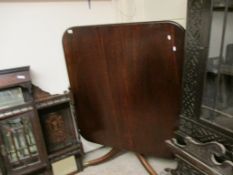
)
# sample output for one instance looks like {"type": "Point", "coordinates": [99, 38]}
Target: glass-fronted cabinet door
{"type": "Point", "coordinates": [217, 102]}
{"type": "Point", "coordinates": [20, 141]}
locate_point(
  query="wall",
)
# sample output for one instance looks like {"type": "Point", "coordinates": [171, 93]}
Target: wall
{"type": "Point", "coordinates": [31, 33]}
{"type": "Point", "coordinates": [31, 30]}
{"type": "Point", "coordinates": [174, 10]}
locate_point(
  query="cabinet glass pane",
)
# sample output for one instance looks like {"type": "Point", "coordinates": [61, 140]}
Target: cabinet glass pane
{"type": "Point", "coordinates": [217, 105]}
{"type": "Point", "coordinates": [213, 61]}
{"type": "Point", "coordinates": [224, 102]}
{"type": "Point", "coordinates": [19, 147]}
{"type": "Point", "coordinates": [11, 97]}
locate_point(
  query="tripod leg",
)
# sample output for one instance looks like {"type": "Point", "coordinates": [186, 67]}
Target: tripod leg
{"type": "Point", "coordinates": [103, 158]}
{"type": "Point", "coordinates": [146, 164]}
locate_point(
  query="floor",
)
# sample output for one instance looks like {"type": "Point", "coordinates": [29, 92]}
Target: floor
{"type": "Point", "coordinates": [124, 164]}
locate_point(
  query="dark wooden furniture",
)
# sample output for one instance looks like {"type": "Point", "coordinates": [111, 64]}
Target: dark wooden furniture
{"type": "Point", "coordinates": [58, 121]}
{"type": "Point", "coordinates": [36, 128]}
{"type": "Point", "coordinates": [126, 80]}
{"type": "Point", "coordinates": [22, 147]}
{"type": "Point", "coordinates": [204, 142]}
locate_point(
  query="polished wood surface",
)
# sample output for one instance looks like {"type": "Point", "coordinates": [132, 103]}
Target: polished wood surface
{"type": "Point", "coordinates": [126, 80]}
{"type": "Point", "coordinates": [14, 77]}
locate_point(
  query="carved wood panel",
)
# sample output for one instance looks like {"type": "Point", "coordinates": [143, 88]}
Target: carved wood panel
{"type": "Point", "coordinates": [196, 51]}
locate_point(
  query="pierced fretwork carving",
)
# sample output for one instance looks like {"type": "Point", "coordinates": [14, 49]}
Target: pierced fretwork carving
{"type": "Point", "coordinates": [203, 156]}
{"type": "Point", "coordinates": [205, 134]}
{"type": "Point", "coordinates": [206, 153]}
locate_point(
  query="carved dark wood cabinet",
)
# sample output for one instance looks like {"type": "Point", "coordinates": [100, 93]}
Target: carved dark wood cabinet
{"type": "Point", "coordinates": [22, 147]}
{"type": "Point", "coordinates": [59, 127]}
{"type": "Point", "coordinates": [204, 142]}
{"type": "Point", "coordinates": [36, 128]}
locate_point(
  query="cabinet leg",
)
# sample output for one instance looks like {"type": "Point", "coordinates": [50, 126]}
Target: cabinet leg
{"type": "Point", "coordinates": [79, 162]}
{"type": "Point", "coordinates": [48, 170]}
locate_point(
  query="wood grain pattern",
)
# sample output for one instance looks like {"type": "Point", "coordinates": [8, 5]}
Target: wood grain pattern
{"type": "Point", "coordinates": [13, 77]}
{"type": "Point", "coordinates": [126, 80]}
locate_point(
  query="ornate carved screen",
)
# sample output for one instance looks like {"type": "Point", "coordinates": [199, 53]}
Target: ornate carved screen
{"type": "Point", "coordinates": [126, 80]}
